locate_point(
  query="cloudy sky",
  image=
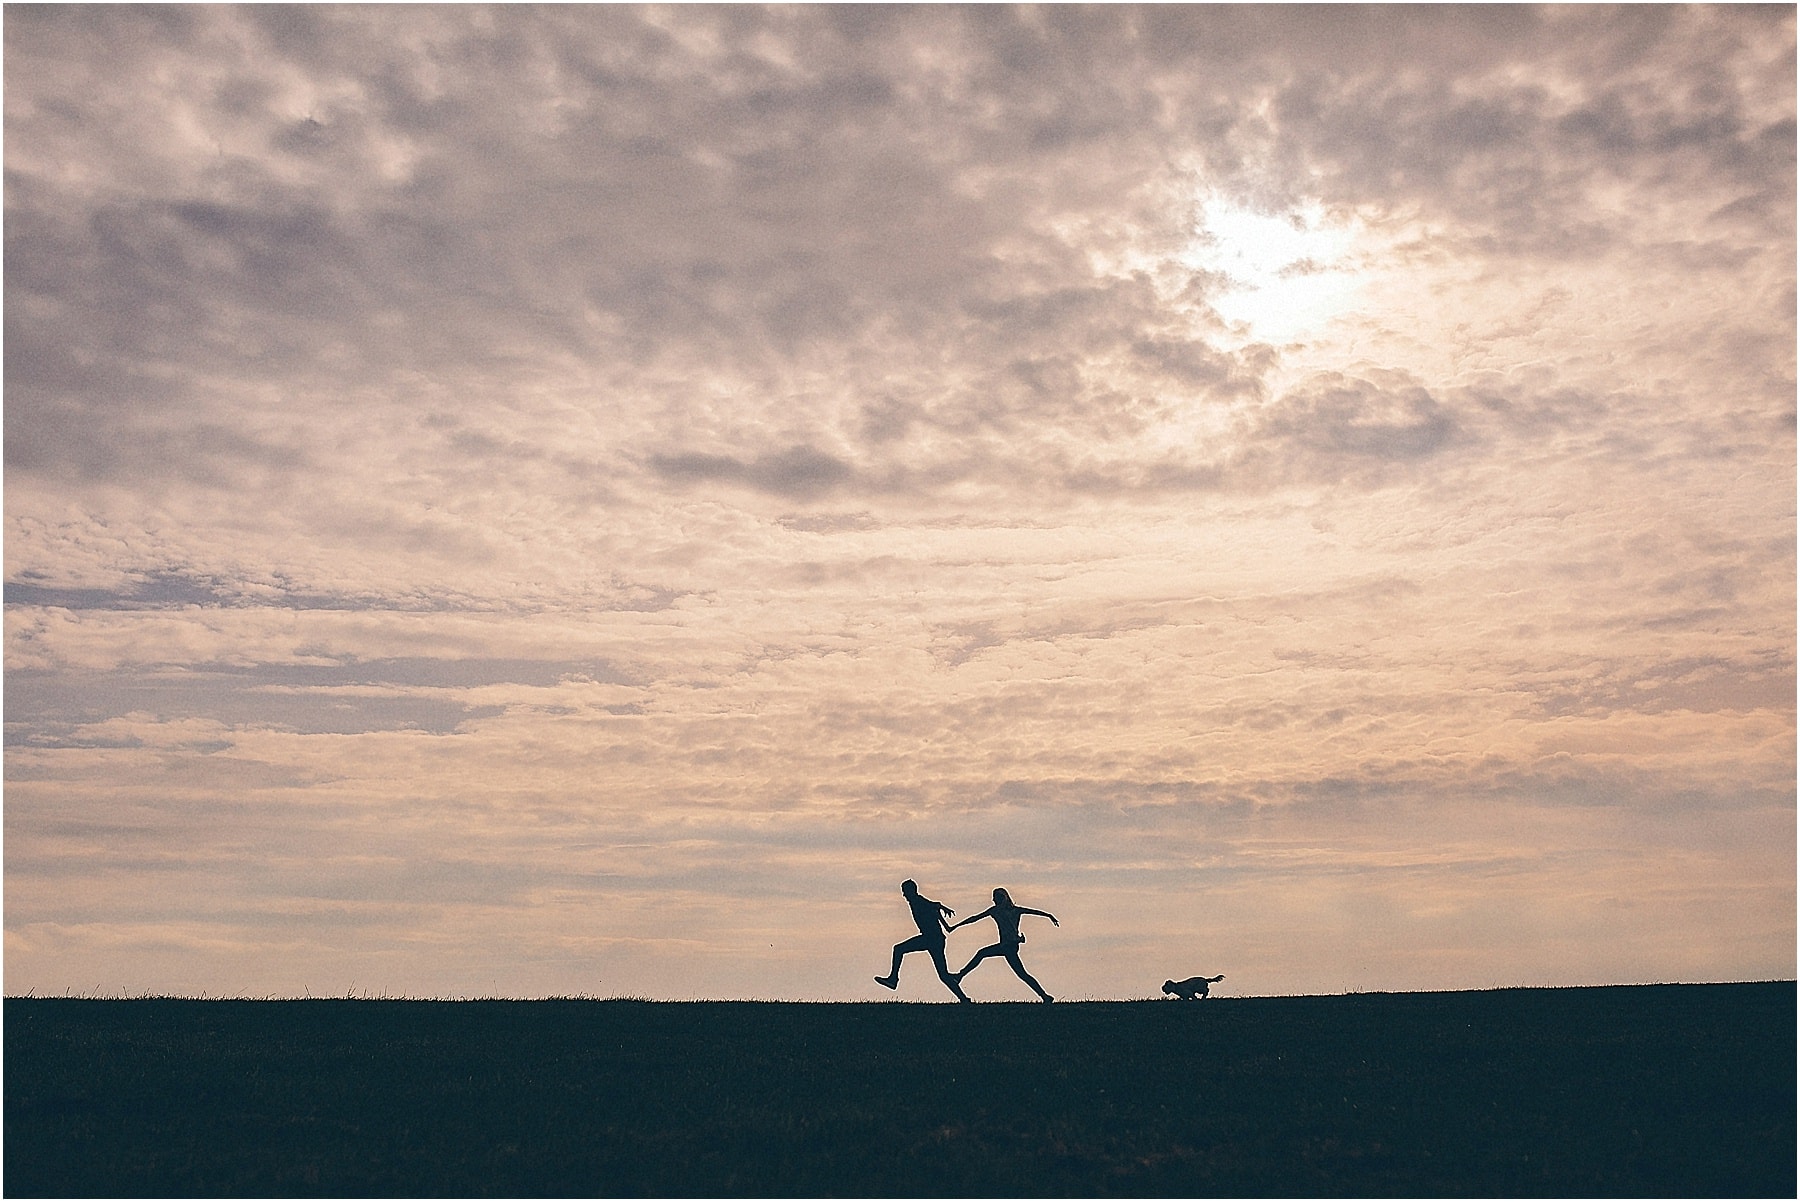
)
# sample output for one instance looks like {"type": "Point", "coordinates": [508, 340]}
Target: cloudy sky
{"type": "Point", "coordinates": [585, 500]}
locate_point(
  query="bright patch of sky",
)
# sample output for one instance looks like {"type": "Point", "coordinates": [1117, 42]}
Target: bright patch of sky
{"type": "Point", "coordinates": [1288, 273]}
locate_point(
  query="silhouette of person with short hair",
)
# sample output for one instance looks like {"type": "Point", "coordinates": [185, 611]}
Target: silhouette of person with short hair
{"type": "Point", "coordinates": [1006, 917]}
{"type": "Point", "coordinates": [933, 930]}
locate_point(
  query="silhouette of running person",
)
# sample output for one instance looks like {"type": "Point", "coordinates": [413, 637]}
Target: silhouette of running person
{"type": "Point", "coordinates": [929, 917]}
{"type": "Point", "coordinates": [1006, 916]}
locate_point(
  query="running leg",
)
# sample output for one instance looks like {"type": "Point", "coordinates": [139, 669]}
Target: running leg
{"type": "Point", "coordinates": [943, 969]}
{"type": "Point", "coordinates": [1012, 958]}
{"type": "Point", "coordinates": [917, 943]}
{"type": "Point", "coordinates": [984, 953]}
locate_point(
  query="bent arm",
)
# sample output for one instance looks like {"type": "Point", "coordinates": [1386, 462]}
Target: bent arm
{"type": "Point", "coordinates": [1041, 914]}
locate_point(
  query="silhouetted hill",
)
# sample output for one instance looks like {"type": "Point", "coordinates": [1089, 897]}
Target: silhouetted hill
{"type": "Point", "coordinates": [1639, 1091]}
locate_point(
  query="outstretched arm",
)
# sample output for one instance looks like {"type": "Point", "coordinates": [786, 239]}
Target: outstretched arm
{"type": "Point", "coordinates": [971, 918]}
{"type": "Point", "coordinates": [1040, 913]}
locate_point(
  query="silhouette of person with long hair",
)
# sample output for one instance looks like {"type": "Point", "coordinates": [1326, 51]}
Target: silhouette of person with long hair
{"type": "Point", "coordinates": [929, 917]}
{"type": "Point", "coordinates": [1006, 917]}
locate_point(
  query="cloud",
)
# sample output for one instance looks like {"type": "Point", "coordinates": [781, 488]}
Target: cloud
{"type": "Point", "coordinates": [1525, 160]}
{"type": "Point", "coordinates": [506, 197]}
{"type": "Point", "coordinates": [1345, 417]}
{"type": "Point", "coordinates": [799, 472]}
{"type": "Point", "coordinates": [55, 711]}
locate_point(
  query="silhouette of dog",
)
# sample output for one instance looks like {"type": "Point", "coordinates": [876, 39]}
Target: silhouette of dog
{"type": "Point", "coordinates": [1192, 989]}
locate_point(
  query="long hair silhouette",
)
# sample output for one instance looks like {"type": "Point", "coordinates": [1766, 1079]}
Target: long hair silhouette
{"type": "Point", "coordinates": [1006, 917]}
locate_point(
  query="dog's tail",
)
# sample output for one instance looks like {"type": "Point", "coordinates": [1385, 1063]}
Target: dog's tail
{"type": "Point", "coordinates": [1213, 980]}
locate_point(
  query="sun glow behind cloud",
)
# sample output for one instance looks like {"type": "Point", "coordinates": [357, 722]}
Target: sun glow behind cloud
{"type": "Point", "coordinates": [1287, 274]}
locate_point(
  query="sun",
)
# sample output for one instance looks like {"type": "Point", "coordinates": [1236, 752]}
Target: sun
{"type": "Point", "coordinates": [1289, 273]}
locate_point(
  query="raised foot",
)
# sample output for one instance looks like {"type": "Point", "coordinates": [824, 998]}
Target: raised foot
{"type": "Point", "coordinates": [888, 982]}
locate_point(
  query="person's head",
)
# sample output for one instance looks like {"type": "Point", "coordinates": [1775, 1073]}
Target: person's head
{"type": "Point", "coordinates": [1002, 898]}
{"type": "Point", "coordinates": [909, 887]}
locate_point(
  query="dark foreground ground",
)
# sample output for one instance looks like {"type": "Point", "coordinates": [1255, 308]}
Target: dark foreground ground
{"type": "Point", "coordinates": [1640, 1091]}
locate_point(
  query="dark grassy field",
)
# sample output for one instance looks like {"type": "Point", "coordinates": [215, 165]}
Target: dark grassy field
{"type": "Point", "coordinates": [1640, 1091]}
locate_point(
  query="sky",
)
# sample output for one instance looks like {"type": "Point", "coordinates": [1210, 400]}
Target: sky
{"type": "Point", "coordinates": [585, 500]}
